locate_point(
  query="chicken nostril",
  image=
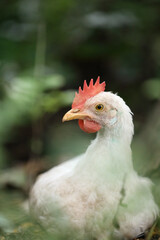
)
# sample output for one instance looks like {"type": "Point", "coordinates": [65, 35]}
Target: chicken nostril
{"type": "Point", "coordinates": [75, 110]}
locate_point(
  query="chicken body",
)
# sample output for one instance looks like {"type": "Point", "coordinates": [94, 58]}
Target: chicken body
{"type": "Point", "coordinates": [98, 193]}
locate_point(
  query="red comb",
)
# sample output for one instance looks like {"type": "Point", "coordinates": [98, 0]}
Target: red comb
{"type": "Point", "coordinates": [87, 92]}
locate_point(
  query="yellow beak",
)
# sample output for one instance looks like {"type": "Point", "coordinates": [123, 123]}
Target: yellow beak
{"type": "Point", "coordinates": [75, 114]}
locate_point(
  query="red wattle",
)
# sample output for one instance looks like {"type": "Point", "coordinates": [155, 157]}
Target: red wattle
{"type": "Point", "coordinates": [89, 126]}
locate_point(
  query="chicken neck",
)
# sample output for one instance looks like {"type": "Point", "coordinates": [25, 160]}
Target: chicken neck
{"type": "Point", "coordinates": [108, 157]}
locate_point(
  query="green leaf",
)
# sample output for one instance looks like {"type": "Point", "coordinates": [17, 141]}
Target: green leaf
{"type": "Point", "coordinates": [53, 81]}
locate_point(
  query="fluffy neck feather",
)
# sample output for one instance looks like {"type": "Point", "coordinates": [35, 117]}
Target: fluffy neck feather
{"type": "Point", "coordinates": [109, 155]}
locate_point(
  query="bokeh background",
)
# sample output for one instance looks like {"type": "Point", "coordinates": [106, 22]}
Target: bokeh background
{"type": "Point", "coordinates": [47, 49]}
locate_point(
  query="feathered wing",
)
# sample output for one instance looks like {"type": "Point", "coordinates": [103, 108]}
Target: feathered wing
{"type": "Point", "coordinates": [44, 203]}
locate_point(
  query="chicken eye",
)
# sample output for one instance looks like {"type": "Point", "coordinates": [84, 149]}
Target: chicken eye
{"type": "Point", "coordinates": [99, 107]}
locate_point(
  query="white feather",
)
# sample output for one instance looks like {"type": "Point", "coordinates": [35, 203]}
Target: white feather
{"type": "Point", "coordinates": [90, 192]}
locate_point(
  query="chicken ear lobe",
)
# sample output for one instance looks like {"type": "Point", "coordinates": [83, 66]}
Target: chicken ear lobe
{"type": "Point", "coordinates": [112, 117]}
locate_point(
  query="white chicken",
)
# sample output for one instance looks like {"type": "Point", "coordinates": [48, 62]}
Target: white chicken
{"type": "Point", "coordinates": [97, 194]}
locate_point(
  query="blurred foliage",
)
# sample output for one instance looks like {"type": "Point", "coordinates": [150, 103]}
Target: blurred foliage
{"type": "Point", "coordinates": [152, 88]}
{"type": "Point", "coordinates": [48, 47]}
{"type": "Point", "coordinates": [14, 222]}
{"type": "Point", "coordinates": [27, 99]}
